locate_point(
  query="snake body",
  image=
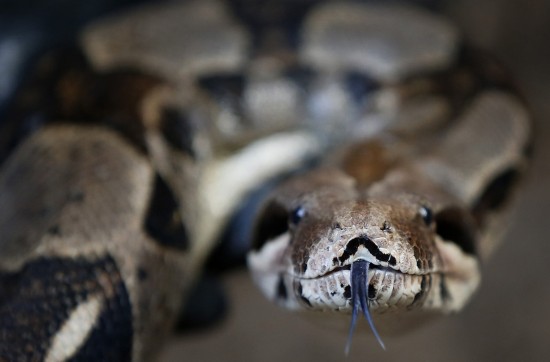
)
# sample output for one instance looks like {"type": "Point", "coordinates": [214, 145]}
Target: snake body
{"type": "Point", "coordinates": [123, 162]}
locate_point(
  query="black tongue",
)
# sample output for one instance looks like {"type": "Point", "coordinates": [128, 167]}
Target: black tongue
{"type": "Point", "coordinates": [359, 299]}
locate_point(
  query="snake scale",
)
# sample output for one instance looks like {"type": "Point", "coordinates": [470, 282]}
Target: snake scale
{"type": "Point", "coordinates": [123, 161]}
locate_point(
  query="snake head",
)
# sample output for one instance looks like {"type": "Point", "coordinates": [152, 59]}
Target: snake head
{"type": "Point", "coordinates": [316, 227]}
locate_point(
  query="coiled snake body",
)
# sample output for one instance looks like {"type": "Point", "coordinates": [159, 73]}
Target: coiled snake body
{"type": "Point", "coordinates": [121, 167]}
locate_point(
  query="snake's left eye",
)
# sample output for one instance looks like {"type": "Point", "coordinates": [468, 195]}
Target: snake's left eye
{"type": "Point", "coordinates": [426, 214]}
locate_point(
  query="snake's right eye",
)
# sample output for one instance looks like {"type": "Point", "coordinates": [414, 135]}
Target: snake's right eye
{"type": "Point", "coordinates": [297, 215]}
{"type": "Point", "coordinates": [272, 222]}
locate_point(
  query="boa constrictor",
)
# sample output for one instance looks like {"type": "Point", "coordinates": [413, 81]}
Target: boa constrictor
{"type": "Point", "coordinates": [122, 165]}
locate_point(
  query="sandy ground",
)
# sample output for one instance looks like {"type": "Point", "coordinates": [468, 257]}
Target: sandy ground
{"type": "Point", "coordinates": [508, 320]}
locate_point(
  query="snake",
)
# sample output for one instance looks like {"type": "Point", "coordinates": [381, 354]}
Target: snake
{"type": "Point", "coordinates": [385, 150]}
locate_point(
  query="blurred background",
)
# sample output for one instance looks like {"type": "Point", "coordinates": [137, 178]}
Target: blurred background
{"type": "Point", "coordinates": [509, 318]}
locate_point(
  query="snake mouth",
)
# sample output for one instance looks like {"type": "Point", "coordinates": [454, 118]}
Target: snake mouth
{"type": "Point", "coordinates": [348, 267]}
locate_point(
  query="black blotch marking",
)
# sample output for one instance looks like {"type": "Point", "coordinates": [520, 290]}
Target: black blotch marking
{"type": "Point", "coordinates": [488, 71]}
{"type": "Point", "coordinates": [223, 84]}
{"type": "Point", "coordinates": [455, 225]}
{"type": "Point", "coordinates": [426, 214]}
{"type": "Point", "coordinates": [496, 194]}
{"type": "Point", "coordinates": [266, 17]}
{"type": "Point", "coordinates": [272, 222]}
{"type": "Point", "coordinates": [45, 211]}
{"type": "Point", "coordinates": [305, 300]}
{"type": "Point", "coordinates": [281, 288]}
{"type": "Point", "coordinates": [419, 264]}
{"type": "Point", "coordinates": [300, 76]}
{"type": "Point", "coordinates": [76, 196]}
{"type": "Point", "coordinates": [66, 89]}
{"type": "Point", "coordinates": [347, 291]}
{"type": "Point", "coordinates": [163, 221]}
{"type": "Point", "coordinates": [63, 87]}
{"type": "Point", "coordinates": [371, 292]}
{"type": "Point", "coordinates": [110, 100]}
{"type": "Point", "coordinates": [54, 230]}
{"type": "Point", "coordinates": [445, 295]}
{"type": "Point", "coordinates": [360, 85]}
{"type": "Point", "coordinates": [227, 89]}
{"type": "Point", "coordinates": [529, 148]}
{"type": "Point", "coordinates": [38, 299]}
{"type": "Point", "coordinates": [142, 274]}
{"type": "Point", "coordinates": [421, 292]}
{"type": "Point", "coordinates": [474, 72]}
{"type": "Point", "coordinates": [178, 130]}
{"type": "Point", "coordinates": [335, 261]}
{"type": "Point", "coordinates": [302, 267]}
{"type": "Point", "coordinates": [299, 289]}
{"type": "Point", "coordinates": [353, 245]}
{"type": "Point", "coordinates": [117, 97]}
{"type": "Point", "coordinates": [34, 104]}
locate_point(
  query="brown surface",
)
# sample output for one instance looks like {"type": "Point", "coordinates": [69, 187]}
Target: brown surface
{"type": "Point", "coordinates": [508, 320]}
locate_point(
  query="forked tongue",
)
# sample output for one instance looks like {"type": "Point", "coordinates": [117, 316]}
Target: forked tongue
{"type": "Point", "coordinates": [359, 299]}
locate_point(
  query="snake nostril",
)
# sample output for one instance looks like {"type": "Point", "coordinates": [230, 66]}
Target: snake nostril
{"type": "Point", "coordinates": [386, 227]}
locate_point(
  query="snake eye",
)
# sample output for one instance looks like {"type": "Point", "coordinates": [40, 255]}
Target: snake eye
{"type": "Point", "coordinates": [426, 214]}
{"type": "Point", "coordinates": [297, 215]}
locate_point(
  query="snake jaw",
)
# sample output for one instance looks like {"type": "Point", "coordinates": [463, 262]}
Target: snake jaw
{"type": "Point", "coordinates": [359, 299]}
